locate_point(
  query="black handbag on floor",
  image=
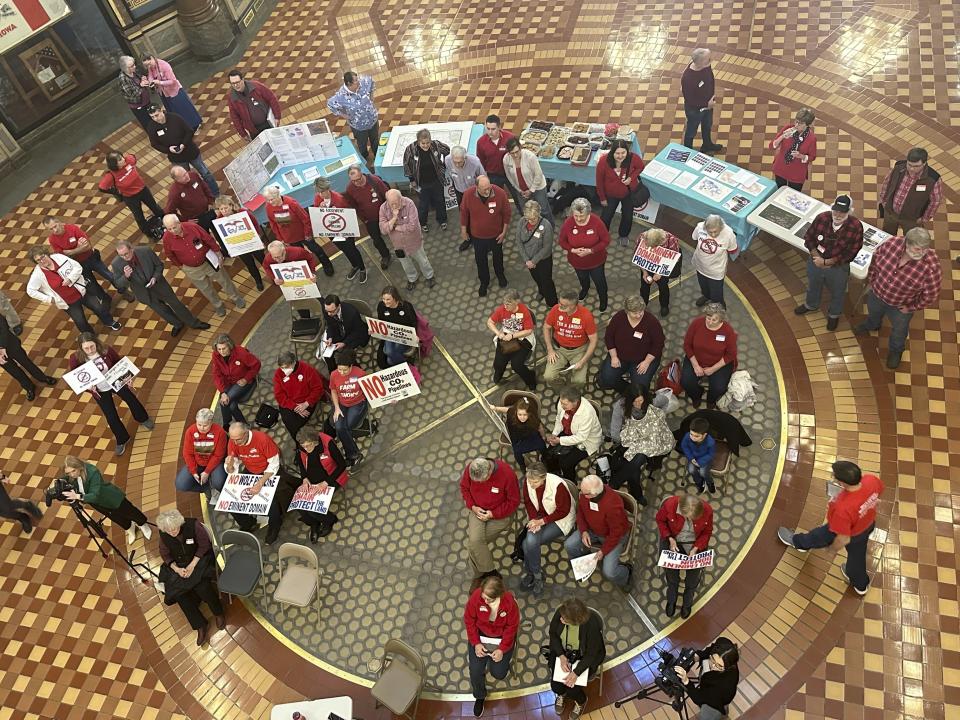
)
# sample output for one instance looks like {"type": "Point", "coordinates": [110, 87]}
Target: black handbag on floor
{"type": "Point", "coordinates": [267, 416]}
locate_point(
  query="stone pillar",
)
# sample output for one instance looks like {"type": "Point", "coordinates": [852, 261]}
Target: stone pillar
{"type": "Point", "coordinates": [210, 31]}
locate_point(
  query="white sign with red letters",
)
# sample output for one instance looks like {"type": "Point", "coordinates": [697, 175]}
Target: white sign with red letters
{"type": "Point", "coordinates": [388, 386]}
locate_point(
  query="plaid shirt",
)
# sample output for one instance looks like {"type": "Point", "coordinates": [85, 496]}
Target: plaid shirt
{"type": "Point", "coordinates": [357, 106]}
{"type": "Point", "coordinates": [842, 244]}
{"type": "Point", "coordinates": [906, 185]}
{"type": "Point", "coordinates": [914, 286]}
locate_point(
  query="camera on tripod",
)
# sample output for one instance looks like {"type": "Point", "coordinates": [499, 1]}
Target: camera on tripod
{"type": "Point", "coordinates": [668, 680]}
{"type": "Point", "coordinates": [57, 488]}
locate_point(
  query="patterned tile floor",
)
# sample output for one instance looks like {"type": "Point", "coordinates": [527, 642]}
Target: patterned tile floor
{"type": "Point", "coordinates": [82, 641]}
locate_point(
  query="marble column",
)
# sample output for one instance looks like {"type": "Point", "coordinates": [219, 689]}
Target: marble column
{"type": "Point", "coordinates": [210, 31]}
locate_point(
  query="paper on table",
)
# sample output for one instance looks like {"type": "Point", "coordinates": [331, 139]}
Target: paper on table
{"type": "Point", "coordinates": [559, 674]}
{"type": "Point", "coordinates": [744, 177]}
{"type": "Point", "coordinates": [583, 566]}
{"type": "Point", "coordinates": [668, 174]}
{"type": "Point", "coordinates": [753, 188]}
{"type": "Point", "coordinates": [654, 169]}
{"type": "Point", "coordinates": [684, 180]}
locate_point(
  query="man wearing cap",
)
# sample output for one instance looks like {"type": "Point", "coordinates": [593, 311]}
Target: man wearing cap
{"type": "Point", "coordinates": [851, 515]}
{"type": "Point", "coordinates": [834, 238]}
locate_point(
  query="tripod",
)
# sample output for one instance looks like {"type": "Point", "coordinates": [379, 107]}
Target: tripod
{"type": "Point", "coordinates": [677, 702]}
{"type": "Point", "coordinates": [96, 532]}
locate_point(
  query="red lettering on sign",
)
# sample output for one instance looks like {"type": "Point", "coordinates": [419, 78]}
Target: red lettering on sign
{"type": "Point", "coordinates": [373, 386]}
{"type": "Point", "coordinates": [377, 326]}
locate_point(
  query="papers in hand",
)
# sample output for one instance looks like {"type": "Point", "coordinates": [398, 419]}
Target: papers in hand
{"type": "Point", "coordinates": [213, 259]}
{"type": "Point", "coordinates": [681, 561]}
{"type": "Point", "coordinates": [583, 566]}
{"type": "Point", "coordinates": [559, 675]}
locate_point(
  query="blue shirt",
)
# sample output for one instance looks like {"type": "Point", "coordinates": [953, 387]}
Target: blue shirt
{"type": "Point", "coordinates": [702, 452]}
{"type": "Point", "coordinates": [356, 106]}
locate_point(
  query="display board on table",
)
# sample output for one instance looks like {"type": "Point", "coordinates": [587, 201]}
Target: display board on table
{"type": "Point", "coordinates": [450, 134]}
{"type": "Point", "coordinates": [307, 142]}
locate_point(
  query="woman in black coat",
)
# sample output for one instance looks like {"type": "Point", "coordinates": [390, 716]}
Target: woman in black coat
{"type": "Point", "coordinates": [576, 640]}
{"type": "Point", "coordinates": [716, 686]}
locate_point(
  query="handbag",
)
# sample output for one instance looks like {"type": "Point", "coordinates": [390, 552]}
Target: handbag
{"type": "Point", "coordinates": [509, 347]}
{"type": "Point", "coordinates": [670, 377]}
{"type": "Point", "coordinates": [267, 416]}
{"type": "Point", "coordinates": [641, 195]}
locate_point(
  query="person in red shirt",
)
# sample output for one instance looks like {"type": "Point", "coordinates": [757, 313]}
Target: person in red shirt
{"type": "Point", "coordinates": [349, 404]}
{"type": "Point", "coordinates": [277, 253]}
{"type": "Point", "coordinates": [291, 225]}
{"type": "Point", "coordinates": [250, 104]}
{"type": "Point", "coordinates": [685, 523]}
{"type": "Point", "coordinates": [512, 324]}
{"type": "Point", "coordinates": [325, 197]}
{"type": "Point", "coordinates": [235, 374]}
{"type": "Point", "coordinates": [124, 182]}
{"type": "Point", "coordinates": [204, 450]}
{"type": "Point", "coordinates": [585, 238]}
{"type": "Point", "coordinates": [367, 194]}
{"type": "Point", "coordinates": [710, 351]}
{"type": "Point", "coordinates": [618, 177]}
{"type": "Point", "coordinates": [491, 494]}
{"type": "Point", "coordinates": [602, 528]}
{"type": "Point", "coordinates": [70, 240]}
{"type": "Point", "coordinates": [484, 221]}
{"type": "Point", "coordinates": [551, 517]}
{"type": "Point", "coordinates": [570, 336]}
{"type": "Point", "coordinates": [297, 388]}
{"type": "Point", "coordinates": [796, 148]}
{"type": "Point", "coordinates": [851, 517]}
{"type": "Point", "coordinates": [190, 198]}
{"type": "Point", "coordinates": [491, 147]}
{"type": "Point", "coordinates": [225, 206]}
{"type": "Point", "coordinates": [491, 612]}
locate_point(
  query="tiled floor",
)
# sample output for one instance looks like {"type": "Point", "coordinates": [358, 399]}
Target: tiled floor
{"type": "Point", "coordinates": [79, 641]}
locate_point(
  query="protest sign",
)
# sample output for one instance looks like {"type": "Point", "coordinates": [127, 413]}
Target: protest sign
{"type": "Point", "coordinates": [647, 212]}
{"type": "Point", "coordinates": [84, 377]}
{"type": "Point", "coordinates": [299, 281]}
{"type": "Point", "coordinates": [657, 260]}
{"type": "Point", "coordinates": [333, 222]}
{"type": "Point", "coordinates": [238, 234]}
{"type": "Point", "coordinates": [388, 386]}
{"type": "Point", "coordinates": [237, 498]}
{"type": "Point", "coordinates": [121, 374]}
{"type": "Point", "coordinates": [310, 499]}
{"type": "Point", "coordinates": [681, 561]}
{"type": "Point", "coordinates": [394, 332]}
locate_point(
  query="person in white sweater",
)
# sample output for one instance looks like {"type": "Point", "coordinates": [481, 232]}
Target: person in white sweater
{"type": "Point", "coordinates": [551, 516]}
{"type": "Point", "coordinates": [577, 434]}
{"type": "Point", "coordinates": [523, 172]}
{"type": "Point", "coordinates": [58, 280]}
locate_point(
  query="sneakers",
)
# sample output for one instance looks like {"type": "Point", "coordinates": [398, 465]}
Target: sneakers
{"type": "Point", "coordinates": [148, 424]}
{"type": "Point", "coordinates": [786, 537]}
{"type": "Point", "coordinates": [362, 278]}
{"type": "Point", "coordinates": [623, 241]}
{"type": "Point", "coordinates": [858, 591]}
{"type": "Point", "coordinates": [711, 488]}
{"type": "Point", "coordinates": [443, 226]}
{"type": "Point", "coordinates": [131, 534]}
{"type": "Point", "coordinates": [478, 707]}
{"type": "Point", "coordinates": [431, 282]}
{"type": "Point", "coordinates": [354, 461]}
{"type": "Point", "coordinates": [576, 712]}
{"type": "Point", "coordinates": [120, 449]}
{"type": "Point", "coordinates": [145, 531]}
{"type": "Point", "coordinates": [424, 228]}
{"type": "Point", "coordinates": [240, 303]}
{"type": "Point", "coordinates": [115, 325]}
{"type": "Point", "coordinates": [353, 273]}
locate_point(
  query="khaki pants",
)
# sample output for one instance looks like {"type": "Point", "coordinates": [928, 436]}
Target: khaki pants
{"type": "Point", "coordinates": [566, 358]}
{"type": "Point", "coordinates": [892, 221]}
{"type": "Point", "coordinates": [202, 275]}
{"type": "Point", "coordinates": [479, 536]}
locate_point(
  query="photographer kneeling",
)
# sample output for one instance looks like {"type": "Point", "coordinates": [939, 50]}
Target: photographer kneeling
{"type": "Point", "coordinates": [719, 676]}
{"type": "Point", "coordinates": [104, 497]}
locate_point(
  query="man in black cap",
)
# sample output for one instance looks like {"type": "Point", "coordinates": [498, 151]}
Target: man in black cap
{"type": "Point", "coordinates": [834, 238]}
{"type": "Point", "coordinates": [851, 515]}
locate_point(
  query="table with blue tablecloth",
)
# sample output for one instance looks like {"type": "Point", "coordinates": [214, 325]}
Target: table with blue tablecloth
{"type": "Point", "coordinates": [677, 172]}
{"type": "Point", "coordinates": [388, 163]}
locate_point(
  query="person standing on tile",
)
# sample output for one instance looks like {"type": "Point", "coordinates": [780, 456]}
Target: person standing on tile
{"type": "Point", "coordinates": [291, 225]}
{"type": "Point", "coordinates": [190, 198]}
{"type": "Point", "coordinates": [354, 101]}
{"type": "Point", "coordinates": [161, 78]}
{"type": "Point", "coordinates": [851, 518]}
{"type": "Point", "coordinates": [10, 313]}
{"type": "Point", "coordinates": [58, 280]}
{"type": "Point", "coordinates": [464, 169]}
{"type": "Point", "coordinates": [327, 197]}
{"type": "Point", "coordinates": [123, 181]}
{"type": "Point", "coordinates": [253, 106]}
{"type": "Point", "coordinates": [134, 89]}
{"type": "Point", "coordinates": [15, 361]}
{"type": "Point", "coordinates": [72, 241]}
{"type": "Point", "coordinates": [699, 99]}
{"type": "Point", "coordinates": [423, 165]}
{"type": "Point", "coordinates": [833, 238]}
{"type": "Point", "coordinates": [910, 193]}
{"type": "Point", "coordinates": [715, 244]}
{"type": "Point", "coordinates": [523, 172]}
{"type": "Point", "coordinates": [796, 148]}
{"type": "Point", "coordinates": [172, 135]}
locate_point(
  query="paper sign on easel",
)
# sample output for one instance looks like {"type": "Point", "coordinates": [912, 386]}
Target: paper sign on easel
{"type": "Point", "coordinates": [393, 332]}
{"type": "Point", "coordinates": [84, 377]}
{"type": "Point", "coordinates": [333, 222]}
{"type": "Point", "coordinates": [299, 282]}
{"type": "Point", "coordinates": [122, 373]}
{"type": "Point", "coordinates": [238, 234]}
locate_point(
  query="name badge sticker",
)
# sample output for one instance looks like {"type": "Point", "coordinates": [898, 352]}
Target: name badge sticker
{"type": "Point", "coordinates": [188, 541]}
{"type": "Point", "coordinates": [821, 248]}
{"type": "Point", "coordinates": [638, 335]}
{"type": "Point", "coordinates": [160, 133]}
{"type": "Point", "coordinates": [594, 506]}
{"type": "Point", "coordinates": [495, 491]}
{"type": "Point", "coordinates": [921, 188]}
{"type": "Point", "coordinates": [721, 338]}
{"type": "Point", "coordinates": [701, 84]}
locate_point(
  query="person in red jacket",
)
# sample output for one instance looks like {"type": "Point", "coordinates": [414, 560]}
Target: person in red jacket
{"type": "Point", "coordinates": [603, 529]}
{"type": "Point", "coordinates": [297, 387]}
{"type": "Point", "coordinates": [685, 523]}
{"type": "Point", "coordinates": [710, 351]}
{"type": "Point", "coordinates": [367, 194]}
{"type": "Point", "coordinates": [321, 466]}
{"type": "Point", "coordinates": [492, 619]}
{"type": "Point", "coordinates": [204, 450]}
{"type": "Point", "coordinates": [326, 197]}
{"type": "Point", "coordinates": [484, 221]}
{"type": "Point", "coordinates": [851, 517]}
{"type": "Point", "coordinates": [235, 374]}
{"type": "Point", "coordinates": [796, 148]}
{"type": "Point", "coordinates": [251, 103]}
{"type": "Point", "coordinates": [190, 198]}
{"type": "Point", "coordinates": [618, 176]}
{"type": "Point", "coordinates": [491, 495]}
{"type": "Point", "coordinates": [224, 206]}
{"type": "Point", "coordinates": [291, 225]}
{"type": "Point", "coordinates": [123, 181]}
{"type": "Point", "coordinates": [585, 238]}
{"type": "Point", "coordinates": [70, 240]}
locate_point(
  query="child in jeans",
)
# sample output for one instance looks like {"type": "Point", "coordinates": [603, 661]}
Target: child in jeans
{"type": "Point", "coordinates": [699, 447]}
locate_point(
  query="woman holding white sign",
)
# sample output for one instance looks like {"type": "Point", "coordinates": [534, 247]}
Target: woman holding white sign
{"type": "Point", "coordinates": [226, 206]}
{"type": "Point", "coordinates": [685, 523]}
{"type": "Point", "coordinates": [90, 349]}
{"type": "Point", "coordinates": [393, 308]}
{"type": "Point", "coordinates": [322, 466]}
{"type": "Point", "coordinates": [327, 198]}
{"type": "Point", "coordinates": [656, 239]}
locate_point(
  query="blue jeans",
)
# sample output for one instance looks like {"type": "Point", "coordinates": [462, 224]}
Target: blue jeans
{"type": "Point", "coordinates": [201, 167]}
{"type": "Point", "coordinates": [611, 378]}
{"type": "Point", "coordinates": [899, 321]}
{"type": "Point", "coordinates": [479, 667]}
{"type": "Point", "coordinates": [699, 475]}
{"type": "Point", "coordinates": [698, 119]}
{"type": "Point", "coordinates": [611, 567]}
{"type": "Point", "coordinates": [237, 395]}
{"type": "Point", "coordinates": [369, 136]}
{"type": "Point", "coordinates": [95, 264]}
{"type": "Point", "coordinates": [396, 353]}
{"type": "Point", "coordinates": [856, 567]}
{"type": "Point", "coordinates": [350, 418]}
{"type": "Point", "coordinates": [96, 305]}
{"type": "Point", "coordinates": [599, 277]}
{"type": "Point", "coordinates": [532, 543]}
{"type": "Point", "coordinates": [186, 482]}
{"type": "Point", "coordinates": [835, 278]}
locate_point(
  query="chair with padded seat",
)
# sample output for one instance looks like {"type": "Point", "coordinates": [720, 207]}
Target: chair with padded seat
{"type": "Point", "coordinates": [299, 583]}
{"type": "Point", "coordinates": [400, 679]}
{"type": "Point", "coordinates": [242, 571]}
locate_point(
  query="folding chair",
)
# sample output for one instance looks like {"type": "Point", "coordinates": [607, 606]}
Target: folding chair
{"type": "Point", "coordinates": [721, 465]}
{"type": "Point", "coordinates": [633, 514]}
{"type": "Point", "coordinates": [242, 571]}
{"type": "Point", "coordinates": [400, 679]}
{"type": "Point", "coordinates": [306, 322]}
{"type": "Point", "coordinates": [299, 583]}
{"type": "Point", "coordinates": [508, 398]}
{"type": "Point", "coordinates": [599, 675]}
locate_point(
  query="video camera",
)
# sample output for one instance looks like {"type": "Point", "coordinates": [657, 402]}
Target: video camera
{"type": "Point", "coordinates": [56, 490]}
{"type": "Point", "coordinates": [668, 680]}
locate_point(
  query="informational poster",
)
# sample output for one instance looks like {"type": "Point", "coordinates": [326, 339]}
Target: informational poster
{"type": "Point", "coordinates": [450, 134]}
{"type": "Point", "coordinates": [237, 495]}
{"type": "Point", "coordinates": [122, 373]}
{"type": "Point", "coordinates": [299, 282]}
{"type": "Point", "coordinates": [312, 499]}
{"type": "Point", "coordinates": [334, 222]}
{"type": "Point", "coordinates": [647, 212]}
{"type": "Point", "coordinates": [681, 561]}
{"type": "Point", "coordinates": [390, 385]}
{"type": "Point", "coordinates": [19, 19]}
{"type": "Point", "coordinates": [394, 332]}
{"type": "Point", "coordinates": [238, 234]}
{"type": "Point", "coordinates": [84, 377]}
{"type": "Point", "coordinates": [657, 261]}
{"type": "Point", "coordinates": [449, 195]}
{"type": "Point", "coordinates": [302, 143]}
{"type": "Point", "coordinates": [246, 173]}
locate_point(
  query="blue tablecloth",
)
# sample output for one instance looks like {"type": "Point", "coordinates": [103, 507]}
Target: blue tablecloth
{"type": "Point", "coordinates": [304, 193]}
{"type": "Point", "coordinates": [394, 173]}
{"type": "Point", "coordinates": [693, 203]}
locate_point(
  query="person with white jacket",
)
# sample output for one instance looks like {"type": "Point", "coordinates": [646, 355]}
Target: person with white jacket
{"type": "Point", "coordinates": [551, 514]}
{"type": "Point", "coordinates": [577, 434]}
{"type": "Point", "coordinates": [58, 280]}
{"type": "Point", "coordinates": [523, 172]}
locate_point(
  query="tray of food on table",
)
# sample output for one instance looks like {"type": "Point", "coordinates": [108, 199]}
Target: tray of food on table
{"type": "Point", "coordinates": [581, 156]}
{"type": "Point", "coordinates": [536, 137]}
{"type": "Point", "coordinates": [540, 125]}
{"type": "Point", "coordinates": [580, 127]}
{"type": "Point", "coordinates": [547, 152]}
{"type": "Point", "coordinates": [565, 152]}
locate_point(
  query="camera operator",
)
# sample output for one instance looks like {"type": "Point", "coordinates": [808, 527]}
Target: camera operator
{"type": "Point", "coordinates": [105, 497]}
{"type": "Point", "coordinates": [719, 676]}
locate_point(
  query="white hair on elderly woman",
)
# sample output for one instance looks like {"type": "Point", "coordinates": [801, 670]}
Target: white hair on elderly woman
{"type": "Point", "coordinates": [205, 416]}
{"type": "Point", "coordinates": [170, 522]}
{"type": "Point", "coordinates": [580, 205]}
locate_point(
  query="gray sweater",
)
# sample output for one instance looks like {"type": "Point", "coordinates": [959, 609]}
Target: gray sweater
{"type": "Point", "coordinates": [535, 245]}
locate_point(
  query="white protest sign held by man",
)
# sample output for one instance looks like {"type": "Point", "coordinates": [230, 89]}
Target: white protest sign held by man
{"type": "Point", "coordinates": [310, 499]}
{"type": "Point", "coordinates": [681, 561]}
{"type": "Point", "coordinates": [238, 234]}
{"type": "Point", "coordinates": [236, 496]}
{"type": "Point", "coordinates": [388, 386]}
{"type": "Point", "coordinates": [334, 222]}
{"type": "Point", "coordinates": [656, 260]}
{"type": "Point", "coordinates": [299, 282]}
{"type": "Point", "coordinates": [84, 377]}
{"type": "Point", "coordinates": [121, 374]}
{"type": "Point", "coordinates": [394, 332]}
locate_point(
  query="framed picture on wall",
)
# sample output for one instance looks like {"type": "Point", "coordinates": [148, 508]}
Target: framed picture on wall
{"type": "Point", "coordinates": [48, 68]}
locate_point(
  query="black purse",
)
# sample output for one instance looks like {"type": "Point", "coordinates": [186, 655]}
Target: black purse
{"type": "Point", "coordinates": [267, 416]}
{"type": "Point", "coordinates": [640, 196]}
